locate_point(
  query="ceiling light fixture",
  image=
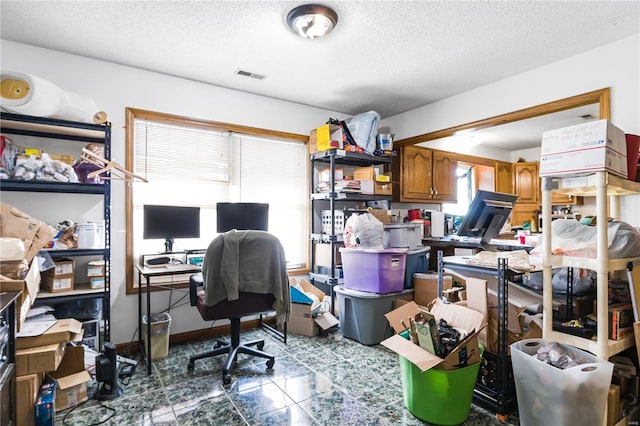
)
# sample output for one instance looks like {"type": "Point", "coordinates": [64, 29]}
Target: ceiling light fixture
{"type": "Point", "coordinates": [312, 20]}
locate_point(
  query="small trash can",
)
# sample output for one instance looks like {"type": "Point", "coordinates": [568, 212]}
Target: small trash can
{"type": "Point", "coordinates": [553, 396]}
{"type": "Point", "coordinates": [436, 396]}
{"type": "Point", "coordinates": [160, 331]}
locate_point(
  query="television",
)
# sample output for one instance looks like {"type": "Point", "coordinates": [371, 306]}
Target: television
{"type": "Point", "coordinates": [170, 222]}
{"type": "Point", "coordinates": [487, 214]}
{"type": "Point", "coordinates": [242, 216]}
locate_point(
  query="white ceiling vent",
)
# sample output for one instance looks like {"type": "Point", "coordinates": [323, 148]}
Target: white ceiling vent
{"type": "Point", "coordinates": [250, 74]}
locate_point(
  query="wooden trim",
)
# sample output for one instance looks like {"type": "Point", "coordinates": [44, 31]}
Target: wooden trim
{"type": "Point", "coordinates": [191, 336]}
{"type": "Point", "coordinates": [130, 115]}
{"type": "Point", "coordinates": [602, 96]}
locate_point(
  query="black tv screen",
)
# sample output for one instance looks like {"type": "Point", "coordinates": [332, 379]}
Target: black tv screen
{"type": "Point", "coordinates": [242, 216]}
{"type": "Point", "coordinates": [487, 214]}
{"type": "Point", "coordinates": [169, 222]}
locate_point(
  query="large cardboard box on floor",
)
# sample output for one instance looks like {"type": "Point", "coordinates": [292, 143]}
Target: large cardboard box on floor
{"type": "Point", "coordinates": [29, 287]}
{"type": "Point", "coordinates": [71, 379]}
{"type": "Point", "coordinates": [306, 318]}
{"type": "Point", "coordinates": [40, 359]}
{"type": "Point", "coordinates": [466, 353]}
{"type": "Point", "coordinates": [64, 330]}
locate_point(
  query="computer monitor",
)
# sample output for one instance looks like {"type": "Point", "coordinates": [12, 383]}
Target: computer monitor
{"type": "Point", "coordinates": [487, 214]}
{"type": "Point", "coordinates": [242, 216]}
{"type": "Point", "coordinates": [170, 222]}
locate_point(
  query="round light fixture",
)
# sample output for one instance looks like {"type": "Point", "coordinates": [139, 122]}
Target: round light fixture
{"type": "Point", "coordinates": [312, 20]}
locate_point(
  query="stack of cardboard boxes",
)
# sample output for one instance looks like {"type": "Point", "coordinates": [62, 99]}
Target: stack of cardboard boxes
{"type": "Point", "coordinates": [47, 358]}
{"type": "Point", "coordinates": [59, 278]}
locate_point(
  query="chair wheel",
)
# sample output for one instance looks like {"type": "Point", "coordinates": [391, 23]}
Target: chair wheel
{"type": "Point", "coordinates": [260, 346]}
{"type": "Point", "coordinates": [190, 366]}
{"type": "Point", "coordinates": [270, 363]}
{"type": "Point", "coordinates": [226, 379]}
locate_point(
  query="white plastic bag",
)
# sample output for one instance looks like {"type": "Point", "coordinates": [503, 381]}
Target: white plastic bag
{"type": "Point", "coordinates": [363, 231]}
{"type": "Point", "coordinates": [571, 238]}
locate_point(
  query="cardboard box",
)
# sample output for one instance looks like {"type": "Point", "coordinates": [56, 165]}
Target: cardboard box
{"type": "Point", "coordinates": [45, 405]}
{"type": "Point", "coordinates": [306, 318]}
{"type": "Point", "coordinates": [383, 188]}
{"type": "Point", "coordinates": [64, 267]}
{"type": "Point", "coordinates": [56, 284]}
{"type": "Point", "coordinates": [95, 268]}
{"type": "Point", "coordinates": [367, 186]}
{"type": "Point", "coordinates": [64, 330]}
{"type": "Point", "coordinates": [71, 379]}
{"type": "Point", "coordinates": [40, 359]}
{"type": "Point", "coordinates": [324, 175]}
{"type": "Point", "coordinates": [584, 148]}
{"type": "Point", "coordinates": [364, 173]}
{"type": "Point", "coordinates": [27, 388]}
{"type": "Point", "coordinates": [97, 282]}
{"type": "Point", "coordinates": [456, 316]}
{"type": "Point", "coordinates": [29, 288]}
{"type": "Point", "coordinates": [613, 405]}
{"type": "Point", "coordinates": [425, 287]}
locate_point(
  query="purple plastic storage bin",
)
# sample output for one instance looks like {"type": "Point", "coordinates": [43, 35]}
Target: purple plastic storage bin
{"type": "Point", "coordinates": [374, 271]}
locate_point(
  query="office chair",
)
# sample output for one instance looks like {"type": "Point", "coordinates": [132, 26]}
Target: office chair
{"type": "Point", "coordinates": [243, 273]}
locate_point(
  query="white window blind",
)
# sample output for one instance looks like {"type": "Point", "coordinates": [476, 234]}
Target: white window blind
{"type": "Point", "coordinates": [188, 166]}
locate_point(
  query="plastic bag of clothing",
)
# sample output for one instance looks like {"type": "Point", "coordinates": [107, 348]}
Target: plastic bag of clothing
{"type": "Point", "coordinates": [364, 128]}
{"type": "Point", "coordinates": [584, 280]}
{"type": "Point", "coordinates": [363, 231]}
{"type": "Point", "coordinates": [571, 238]}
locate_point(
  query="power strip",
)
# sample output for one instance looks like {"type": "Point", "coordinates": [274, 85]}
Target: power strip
{"type": "Point", "coordinates": [126, 360]}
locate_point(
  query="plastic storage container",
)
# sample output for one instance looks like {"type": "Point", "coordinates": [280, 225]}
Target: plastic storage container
{"type": "Point", "coordinates": [417, 262]}
{"type": "Point", "coordinates": [436, 396]}
{"type": "Point", "coordinates": [374, 271]}
{"type": "Point", "coordinates": [402, 235]}
{"type": "Point", "coordinates": [552, 396]}
{"type": "Point", "coordinates": [160, 331]}
{"type": "Point", "coordinates": [362, 314]}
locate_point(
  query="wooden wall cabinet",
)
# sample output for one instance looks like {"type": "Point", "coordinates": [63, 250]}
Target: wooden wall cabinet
{"type": "Point", "coordinates": [526, 184]}
{"type": "Point", "coordinates": [426, 175]}
{"type": "Point", "coordinates": [504, 177]}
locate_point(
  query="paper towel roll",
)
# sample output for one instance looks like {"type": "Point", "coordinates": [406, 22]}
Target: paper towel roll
{"type": "Point", "coordinates": [32, 95]}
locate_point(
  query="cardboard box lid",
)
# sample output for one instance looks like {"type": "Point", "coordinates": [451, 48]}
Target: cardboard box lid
{"type": "Point", "coordinates": [455, 315]}
{"type": "Point", "coordinates": [74, 379]}
{"type": "Point", "coordinates": [64, 330]}
{"type": "Point", "coordinates": [298, 296]}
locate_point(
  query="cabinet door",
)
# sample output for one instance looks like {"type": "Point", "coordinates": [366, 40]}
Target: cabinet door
{"type": "Point", "coordinates": [415, 183]}
{"type": "Point", "coordinates": [444, 181]}
{"type": "Point", "coordinates": [504, 180]}
{"type": "Point", "coordinates": [558, 198]}
{"type": "Point", "coordinates": [526, 183]}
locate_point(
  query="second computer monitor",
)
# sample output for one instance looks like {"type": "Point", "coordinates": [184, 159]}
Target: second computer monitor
{"type": "Point", "coordinates": [242, 216]}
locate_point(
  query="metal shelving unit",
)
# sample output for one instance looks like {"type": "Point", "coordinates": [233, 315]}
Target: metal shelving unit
{"type": "Point", "coordinates": [331, 159]}
{"type": "Point", "coordinates": [65, 130]}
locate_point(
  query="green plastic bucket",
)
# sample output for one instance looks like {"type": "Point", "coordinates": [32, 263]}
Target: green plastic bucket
{"type": "Point", "coordinates": [438, 396]}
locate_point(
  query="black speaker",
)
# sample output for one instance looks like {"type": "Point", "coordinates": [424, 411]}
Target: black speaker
{"type": "Point", "coordinates": [106, 375]}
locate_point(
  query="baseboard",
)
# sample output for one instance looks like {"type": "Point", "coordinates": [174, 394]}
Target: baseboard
{"type": "Point", "coordinates": [205, 333]}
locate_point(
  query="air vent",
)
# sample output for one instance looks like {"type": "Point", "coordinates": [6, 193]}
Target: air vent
{"type": "Point", "coordinates": [250, 74]}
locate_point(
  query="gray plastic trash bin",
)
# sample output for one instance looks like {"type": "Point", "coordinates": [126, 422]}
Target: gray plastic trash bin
{"type": "Point", "coordinates": [160, 331]}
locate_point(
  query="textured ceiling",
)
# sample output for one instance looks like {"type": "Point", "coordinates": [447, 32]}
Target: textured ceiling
{"type": "Point", "coordinates": [386, 56]}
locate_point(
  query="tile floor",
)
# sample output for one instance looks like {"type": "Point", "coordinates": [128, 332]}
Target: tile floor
{"type": "Point", "coordinates": [329, 380]}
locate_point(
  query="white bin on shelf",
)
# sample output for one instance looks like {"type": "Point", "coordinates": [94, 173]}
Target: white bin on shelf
{"type": "Point", "coordinates": [548, 395]}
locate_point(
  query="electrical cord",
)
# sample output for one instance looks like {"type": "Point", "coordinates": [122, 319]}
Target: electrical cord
{"type": "Point", "coordinates": [113, 412]}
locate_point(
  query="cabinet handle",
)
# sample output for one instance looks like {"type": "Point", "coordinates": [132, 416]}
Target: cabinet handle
{"type": "Point", "coordinates": [435, 192]}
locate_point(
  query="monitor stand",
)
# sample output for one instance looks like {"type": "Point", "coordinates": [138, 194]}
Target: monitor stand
{"type": "Point", "coordinates": [168, 245]}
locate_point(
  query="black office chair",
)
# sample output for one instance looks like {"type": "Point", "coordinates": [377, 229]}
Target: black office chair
{"type": "Point", "coordinates": [248, 267]}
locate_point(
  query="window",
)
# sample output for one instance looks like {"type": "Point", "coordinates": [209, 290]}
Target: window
{"type": "Point", "coordinates": [198, 163]}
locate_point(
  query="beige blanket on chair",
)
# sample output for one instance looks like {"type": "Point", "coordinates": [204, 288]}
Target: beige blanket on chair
{"type": "Point", "coordinates": [252, 261]}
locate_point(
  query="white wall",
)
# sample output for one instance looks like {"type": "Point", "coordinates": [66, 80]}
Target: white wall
{"type": "Point", "coordinates": [114, 87]}
{"type": "Point", "coordinates": [615, 65]}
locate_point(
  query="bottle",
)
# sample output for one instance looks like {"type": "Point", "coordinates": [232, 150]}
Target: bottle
{"type": "Point", "coordinates": [534, 225]}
